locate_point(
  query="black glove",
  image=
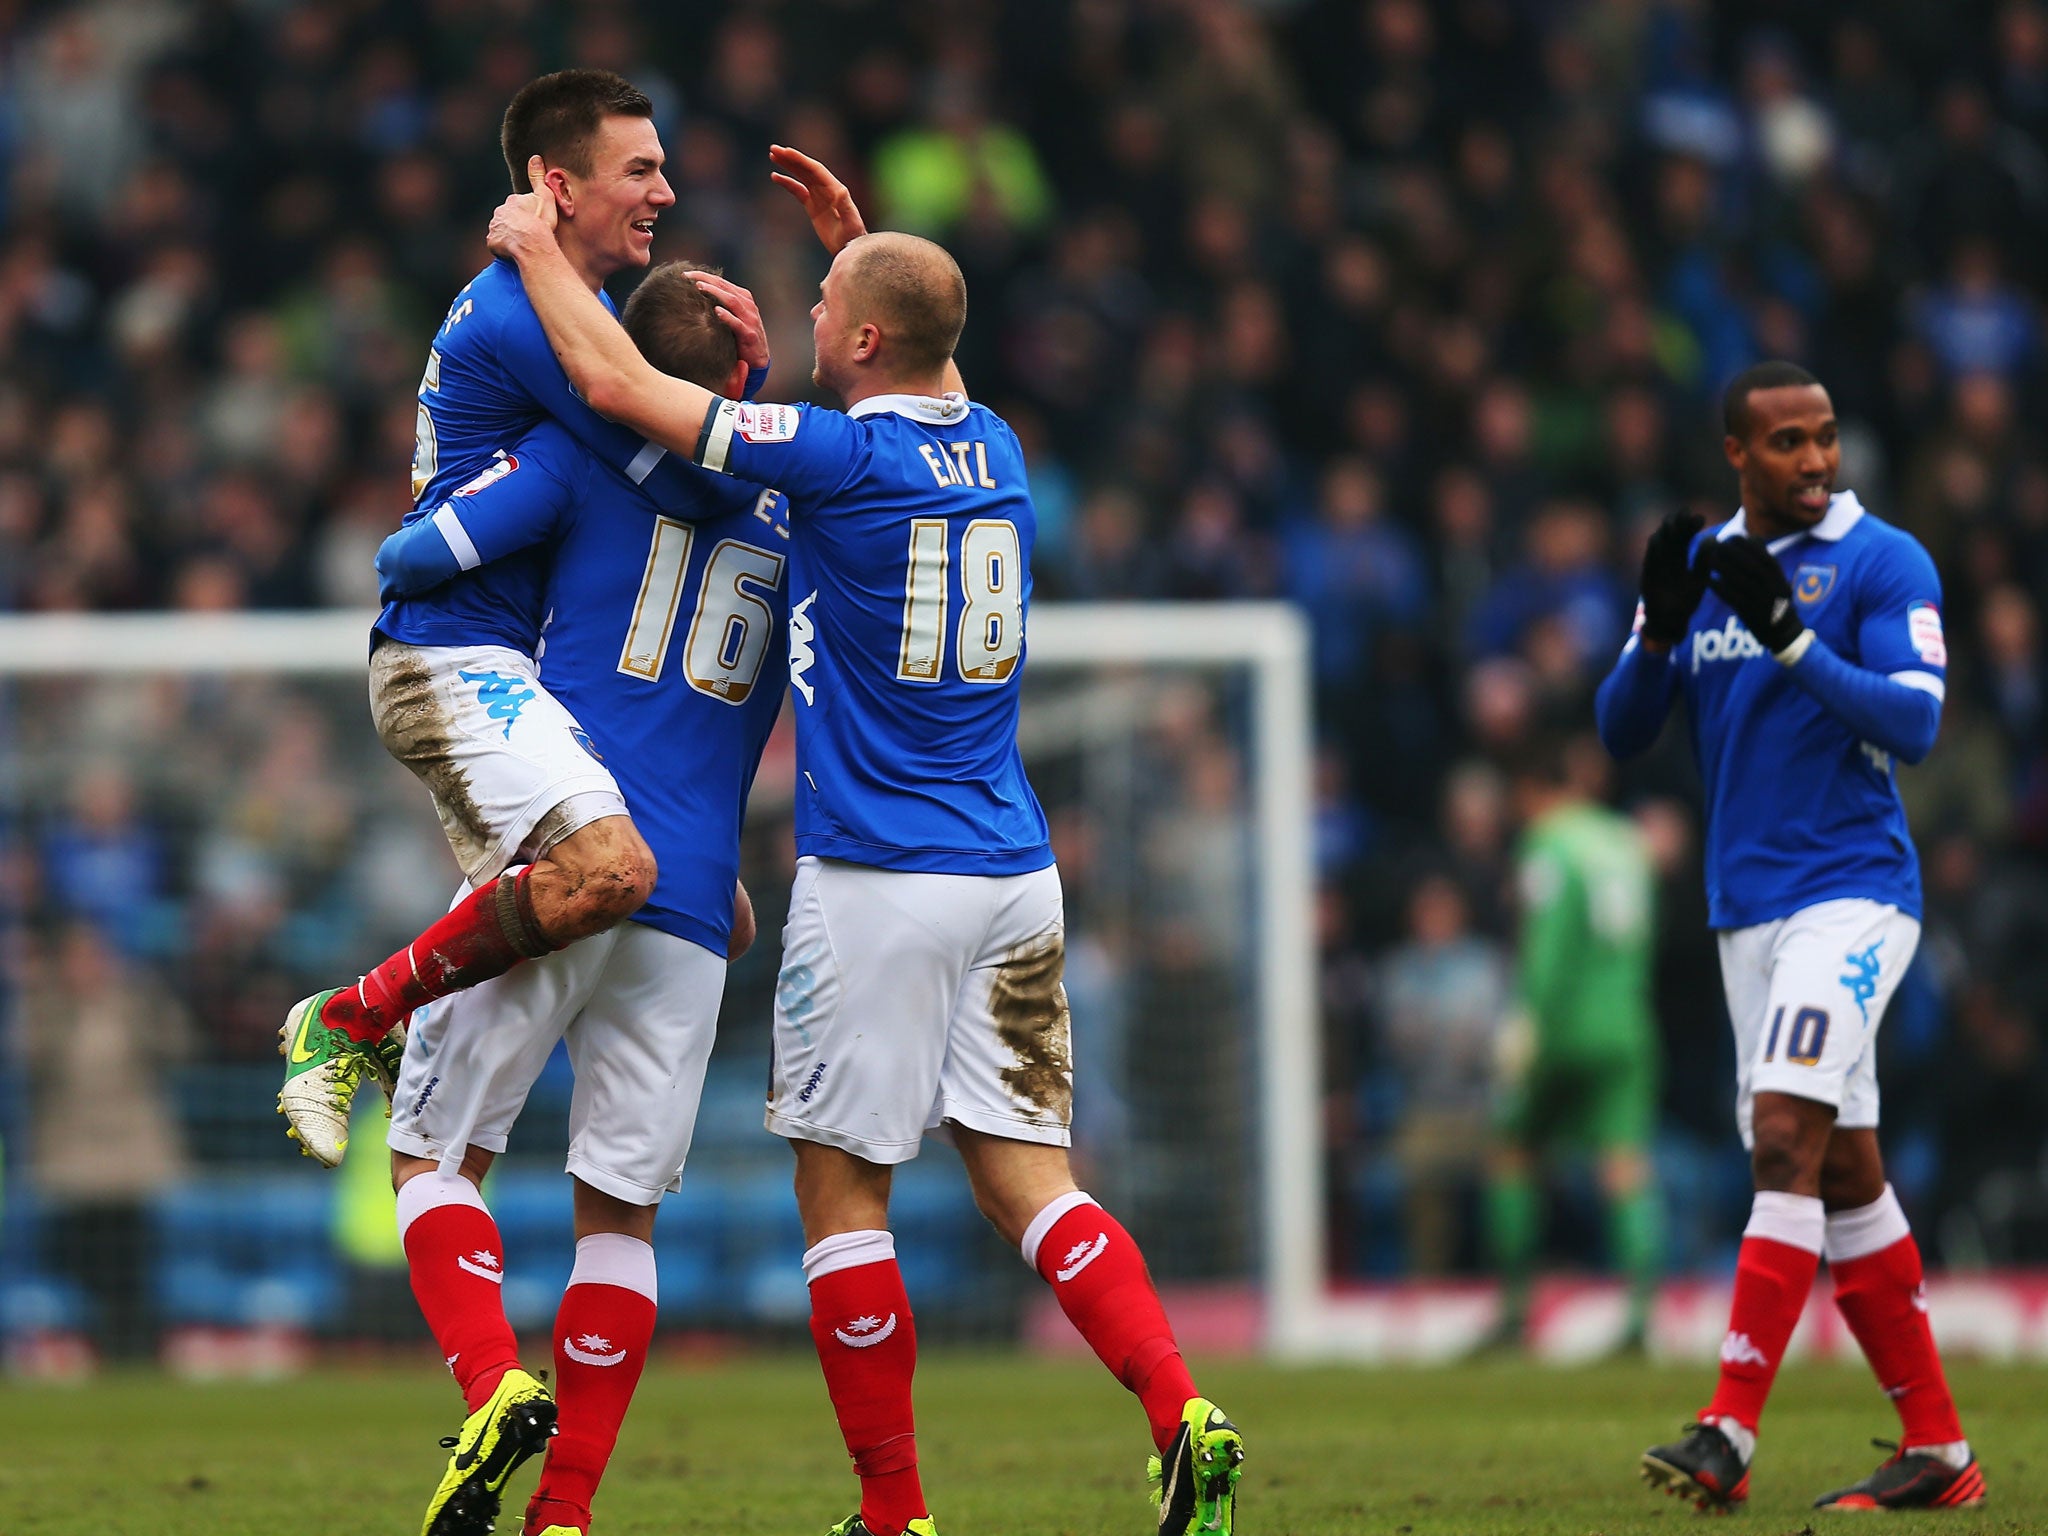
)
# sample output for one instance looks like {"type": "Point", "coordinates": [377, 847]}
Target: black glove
{"type": "Point", "coordinates": [1750, 580]}
{"type": "Point", "coordinates": [1671, 587]}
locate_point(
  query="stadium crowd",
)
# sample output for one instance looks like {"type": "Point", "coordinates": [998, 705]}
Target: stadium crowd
{"type": "Point", "coordinates": [1414, 314]}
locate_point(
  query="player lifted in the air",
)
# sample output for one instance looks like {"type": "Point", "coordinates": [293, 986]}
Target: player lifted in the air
{"type": "Point", "coordinates": [922, 961]}
{"type": "Point", "coordinates": [665, 641]}
{"type": "Point", "coordinates": [452, 684]}
{"type": "Point", "coordinates": [1805, 636]}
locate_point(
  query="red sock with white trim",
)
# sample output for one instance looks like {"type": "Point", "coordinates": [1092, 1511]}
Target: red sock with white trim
{"type": "Point", "coordinates": [1773, 1275]}
{"type": "Point", "coordinates": [1099, 1278]}
{"type": "Point", "coordinates": [1876, 1265]}
{"type": "Point", "coordinates": [867, 1344]}
{"type": "Point", "coordinates": [602, 1331]}
{"type": "Point", "coordinates": [458, 1273]}
{"type": "Point", "coordinates": [483, 935]}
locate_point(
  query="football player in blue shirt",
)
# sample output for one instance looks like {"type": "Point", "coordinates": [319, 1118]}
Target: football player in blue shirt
{"type": "Point", "coordinates": [1804, 635]}
{"type": "Point", "coordinates": [922, 961]}
{"type": "Point", "coordinates": [662, 641]}
{"type": "Point", "coordinates": [452, 686]}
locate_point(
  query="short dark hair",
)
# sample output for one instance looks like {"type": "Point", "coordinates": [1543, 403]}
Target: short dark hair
{"type": "Point", "coordinates": [1776, 374]}
{"type": "Point", "coordinates": [675, 325]}
{"type": "Point", "coordinates": [557, 117]}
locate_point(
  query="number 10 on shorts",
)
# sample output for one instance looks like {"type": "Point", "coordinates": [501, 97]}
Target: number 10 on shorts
{"type": "Point", "coordinates": [1803, 1045]}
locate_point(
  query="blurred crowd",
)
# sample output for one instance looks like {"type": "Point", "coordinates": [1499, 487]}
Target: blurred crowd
{"type": "Point", "coordinates": [1411, 312]}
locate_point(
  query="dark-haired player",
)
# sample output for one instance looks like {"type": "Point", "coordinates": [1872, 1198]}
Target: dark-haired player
{"type": "Point", "coordinates": [664, 639]}
{"type": "Point", "coordinates": [452, 683]}
{"type": "Point", "coordinates": [1805, 637]}
{"type": "Point", "coordinates": [923, 956]}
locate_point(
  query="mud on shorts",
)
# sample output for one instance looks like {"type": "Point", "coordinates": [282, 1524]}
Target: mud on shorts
{"type": "Point", "coordinates": [1806, 994]}
{"type": "Point", "coordinates": [639, 1010]}
{"type": "Point", "coordinates": [908, 1001]}
{"type": "Point", "coordinates": [511, 772]}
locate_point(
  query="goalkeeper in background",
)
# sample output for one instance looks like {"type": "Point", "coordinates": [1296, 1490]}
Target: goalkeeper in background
{"type": "Point", "coordinates": [1579, 1066]}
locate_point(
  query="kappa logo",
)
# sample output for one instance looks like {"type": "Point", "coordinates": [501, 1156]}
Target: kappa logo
{"type": "Point", "coordinates": [1731, 642]}
{"type": "Point", "coordinates": [1081, 1255]}
{"type": "Point", "coordinates": [502, 697]}
{"type": "Point", "coordinates": [865, 1332]}
{"type": "Point", "coordinates": [484, 1264]}
{"type": "Point", "coordinates": [1862, 978]}
{"type": "Point", "coordinates": [592, 1349]}
{"type": "Point", "coordinates": [811, 1084]}
{"type": "Point", "coordinates": [426, 1093]}
{"type": "Point", "coordinates": [801, 657]}
{"type": "Point", "coordinates": [1737, 1349]}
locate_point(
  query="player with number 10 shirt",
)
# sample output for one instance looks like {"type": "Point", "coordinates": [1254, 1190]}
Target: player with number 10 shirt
{"type": "Point", "coordinates": [922, 959]}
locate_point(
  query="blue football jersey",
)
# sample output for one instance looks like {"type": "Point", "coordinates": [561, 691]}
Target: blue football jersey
{"type": "Point", "coordinates": [1799, 809]}
{"type": "Point", "coordinates": [663, 638]}
{"type": "Point", "coordinates": [491, 376]}
{"type": "Point", "coordinates": [910, 581]}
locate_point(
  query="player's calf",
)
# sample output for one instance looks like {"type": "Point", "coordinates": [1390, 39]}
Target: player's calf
{"type": "Point", "coordinates": [592, 880]}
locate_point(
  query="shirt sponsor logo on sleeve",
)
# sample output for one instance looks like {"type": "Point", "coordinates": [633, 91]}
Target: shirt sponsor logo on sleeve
{"type": "Point", "coordinates": [766, 423]}
{"type": "Point", "coordinates": [1923, 626]}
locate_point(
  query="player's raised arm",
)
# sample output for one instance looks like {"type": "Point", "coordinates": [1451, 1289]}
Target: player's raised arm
{"type": "Point", "coordinates": [600, 359]}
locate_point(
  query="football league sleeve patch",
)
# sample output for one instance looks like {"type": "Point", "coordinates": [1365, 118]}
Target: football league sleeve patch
{"type": "Point", "coordinates": [803, 450]}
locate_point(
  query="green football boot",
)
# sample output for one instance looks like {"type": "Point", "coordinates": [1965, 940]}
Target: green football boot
{"type": "Point", "coordinates": [853, 1525]}
{"type": "Point", "coordinates": [322, 1070]}
{"type": "Point", "coordinates": [1195, 1483]}
{"type": "Point", "coordinates": [495, 1442]}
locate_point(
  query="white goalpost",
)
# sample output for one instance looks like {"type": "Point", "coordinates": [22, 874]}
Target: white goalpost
{"type": "Point", "coordinates": [1262, 647]}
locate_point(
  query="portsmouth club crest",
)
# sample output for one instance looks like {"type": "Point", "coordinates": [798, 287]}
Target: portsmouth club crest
{"type": "Point", "coordinates": [1811, 583]}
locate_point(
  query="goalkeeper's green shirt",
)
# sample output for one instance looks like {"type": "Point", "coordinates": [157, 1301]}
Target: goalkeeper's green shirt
{"type": "Point", "coordinates": [1587, 933]}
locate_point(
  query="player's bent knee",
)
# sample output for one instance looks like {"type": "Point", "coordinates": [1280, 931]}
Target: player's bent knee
{"type": "Point", "coordinates": [1779, 1161]}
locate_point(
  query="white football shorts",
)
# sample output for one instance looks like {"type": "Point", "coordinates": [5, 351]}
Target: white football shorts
{"type": "Point", "coordinates": [639, 1009]}
{"type": "Point", "coordinates": [908, 1001]}
{"type": "Point", "coordinates": [511, 772]}
{"type": "Point", "coordinates": [1806, 994]}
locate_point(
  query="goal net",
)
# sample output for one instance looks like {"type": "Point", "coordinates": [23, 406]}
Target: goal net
{"type": "Point", "coordinates": [194, 809]}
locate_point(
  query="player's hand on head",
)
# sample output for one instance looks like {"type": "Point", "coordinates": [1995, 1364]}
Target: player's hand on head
{"type": "Point", "coordinates": [525, 221]}
{"type": "Point", "coordinates": [736, 307]}
{"type": "Point", "coordinates": [825, 199]}
{"type": "Point", "coordinates": [1750, 580]}
{"type": "Point", "coordinates": [1672, 583]}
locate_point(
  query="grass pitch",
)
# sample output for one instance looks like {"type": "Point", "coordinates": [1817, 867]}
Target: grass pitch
{"type": "Point", "coordinates": [1009, 1448]}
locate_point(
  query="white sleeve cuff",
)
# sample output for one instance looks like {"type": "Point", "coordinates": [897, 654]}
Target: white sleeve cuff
{"type": "Point", "coordinates": [1790, 656]}
{"type": "Point", "coordinates": [1925, 682]}
{"type": "Point", "coordinates": [460, 545]}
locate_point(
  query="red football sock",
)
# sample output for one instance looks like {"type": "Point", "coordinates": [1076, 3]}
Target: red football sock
{"type": "Point", "coordinates": [1876, 1265]}
{"type": "Point", "coordinates": [602, 1331]}
{"type": "Point", "coordinates": [861, 1323]}
{"type": "Point", "coordinates": [484, 935]}
{"type": "Point", "coordinates": [1780, 1252]}
{"type": "Point", "coordinates": [1099, 1277]}
{"type": "Point", "coordinates": [458, 1268]}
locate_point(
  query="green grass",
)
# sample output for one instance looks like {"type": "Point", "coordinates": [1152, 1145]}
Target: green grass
{"type": "Point", "coordinates": [1009, 1448]}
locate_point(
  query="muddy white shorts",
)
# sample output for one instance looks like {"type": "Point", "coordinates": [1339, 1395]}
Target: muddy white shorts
{"type": "Point", "coordinates": [511, 772]}
{"type": "Point", "coordinates": [639, 1009]}
{"type": "Point", "coordinates": [1806, 994]}
{"type": "Point", "coordinates": [907, 1001]}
